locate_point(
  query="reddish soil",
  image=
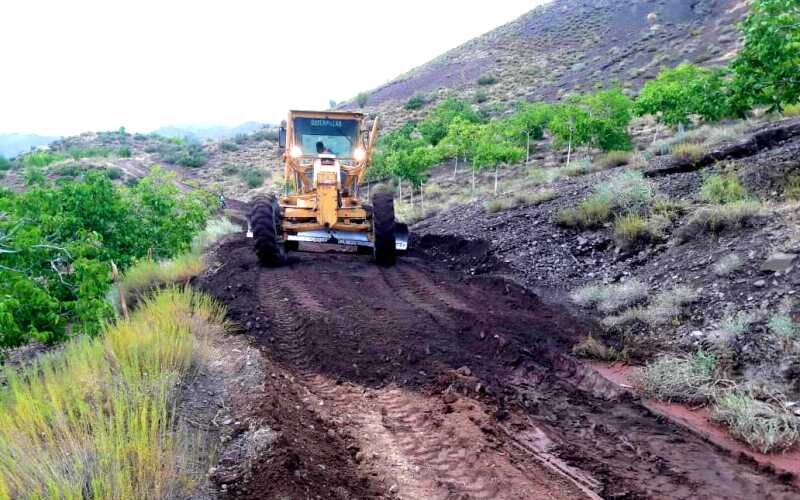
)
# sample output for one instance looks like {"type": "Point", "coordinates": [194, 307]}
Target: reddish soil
{"type": "Point", "coordinates": [415, 382]}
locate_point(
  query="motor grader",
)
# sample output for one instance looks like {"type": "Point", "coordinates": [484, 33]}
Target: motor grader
{"type": "Point", "coordinates": [326, 157]}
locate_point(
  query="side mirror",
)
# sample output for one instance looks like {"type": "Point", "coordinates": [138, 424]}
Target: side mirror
{"type": "Point", "coordinates": [282, 138]}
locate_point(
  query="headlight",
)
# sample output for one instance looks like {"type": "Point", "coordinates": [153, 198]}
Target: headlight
{"type": "Point", "coordinates": [296, 152]}
{"type": "Point", "coordinates": [359, 154]}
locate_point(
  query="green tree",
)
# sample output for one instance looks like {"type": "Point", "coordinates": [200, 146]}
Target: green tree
{"type": "Point", "coordinates": [609, 114]}
{"type": "Point", "coordinates": [493, 148]}
{"type": "Point", "coordinates": [569, 125]}
{"type": "Point", "coordinates": [530, 122]}
{"type": "Point", "coordinates": [678, 93]}
{"type": "Point", "coordinates": [362, 99]}
{"type": "Point", "coordinates": [458, 142]}
{"type": "Point", "coordinates": [435, 126]}
{"type": "Point", "coordinates": [767, 69]}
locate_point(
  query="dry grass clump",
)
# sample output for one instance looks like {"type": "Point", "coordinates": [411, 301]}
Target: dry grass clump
{"type": "Point", "coordinates": [614, 159]}
{"type": "Point", "coordinates": [727, 265]}
{"type": "Point", "coordinates": [792, 188]}
{"type": "Point", "coordinates": [627, 191]}
{"type": "Point", "coordinates": [631, 229]}
{"type": "Point", "coordinates": [610, 298]}
{"type": "Point", "coordinates": [665, 308]}
{"type": "Point", "coordinates": [592, 348]}
{"type": "Point", "coordinates": [95, 419]}
{"type": "Point", "coordinates": [508, 201]}
{"type": "Point", "coordinates": [688, 151]}
{"type": "Point", "coordinates": [719, 218]}
{"type": "Point", "coordinates": [707, 135]}
{"type": "Point", "coordinates": [766, 427]}
{"type": "Point", "coordinates": [792, 111]}
{"type": "Point", "coordinates": [591, 213]}
{"type": "Point", "coordinates": [678, 378]}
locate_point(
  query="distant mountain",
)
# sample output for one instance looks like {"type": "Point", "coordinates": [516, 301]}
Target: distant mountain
{"type": "Point", "coordinates": [13, 144]}
{"type": "Point", "coordinates": [203, 132]}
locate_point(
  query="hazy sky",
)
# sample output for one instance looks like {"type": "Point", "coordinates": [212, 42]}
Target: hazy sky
{"type": "Point", "coordinates": [72, 66]}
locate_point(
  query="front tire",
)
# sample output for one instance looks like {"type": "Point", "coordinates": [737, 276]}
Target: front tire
{"type": "Point", "coordinates": [265, 221]}
{"type": "Point", "coordinates": [383, 226]}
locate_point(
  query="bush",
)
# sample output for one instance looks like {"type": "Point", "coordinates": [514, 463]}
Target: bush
{"type": "Point", "coordinates": [666, 307]}
{"type": "Point", "coordinates": [720, 218]}
{"type": "Point", "coordinates": [486, 80]}
{"type": "Point", "coordinates": [792, 111]}
{"type": "Point", "coordinates": [362, 99]}
{"type": "Point", "coordinates": [42, 158]}
{"type": "Point", "coordinates": [416, 102]}
{"type": "Point", "coordinates": [253, 178]}
{"type": "Point", "coordinates": [114, 173]}
{"type": "Point", "coordinates": [229, 146]}
{"type": "Point", "coordinates": [628, 191]}
{"type": "Point", "coordinates": [765, 427]}
{"type": "Point", "coordinates": [124, 152]}
{"type": "Point", "coordinates": [722, 189]}
{"type": "Point", "coordinates": [5, 164]}
{"type": "Point", "coordinates": [688, 151]}
{"type": "Point", "coordinates": [592, 348]}
{"type": "Point", "coordinates": [265, 134]}
{"type": "Point", "coordinates": [679, 378]}
{"type": "Point", "coordinates": [736, 324]}
{"type": "Point", "coordinates": [481, 97]}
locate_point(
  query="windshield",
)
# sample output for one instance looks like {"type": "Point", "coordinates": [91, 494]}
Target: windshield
{"type": "Point", "coordinates": [326, 136]}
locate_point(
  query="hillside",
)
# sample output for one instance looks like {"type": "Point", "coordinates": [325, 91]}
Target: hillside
{"type": "Point", "coordinates": [570, 46]}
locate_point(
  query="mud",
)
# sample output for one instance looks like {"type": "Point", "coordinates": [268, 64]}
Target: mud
{"type": "Point", "coordinates": [416, 382]}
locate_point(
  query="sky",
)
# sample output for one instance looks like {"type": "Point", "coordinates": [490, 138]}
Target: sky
{"type": "Point", "coordinates": [70, 66]}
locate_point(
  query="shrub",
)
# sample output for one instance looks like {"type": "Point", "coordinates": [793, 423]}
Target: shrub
{"type": "Point", "coordinates": [124, 152]}
{"type": "Point", "coordinates": [679, 378]}
{"type": "Point", "coordinates": [688, 151]}
{"type": "Point", "coordinates": [628, 191]}
{"type": "Point", "coordinates": [253, 178]}
{"type": "Point", "coordinates": [614, 159]}
{"type": "Point", "coordinates": [362, 99]}
{"type": "Point", "coordinates": [727, 265]}
{"type": "Point", "coordinates": [229, 146]}
{"type": "Point", "coordinates": [238, 139]}
{"type": "Point", "coordinates": [717, 219]}
{"type": "Point", "coordinates": [265, 134]}
{"type": "Point", "coordinates": [722, 189]}
{"type": "Point", "coordinates": [610, 298]}
{"type": "Point", "coordinates": [765, 427]}
{"type": "Point", "coordinates": [41, 158]}
{"type": "Point", "coordinates": [416, 102]}
{"type": "Point", "coordinates": [580, 167]}
{"type": "Point", "coordinates": [5, 164]}
{"type": "Point", "coordinates": [71, 170]}
{"type": "Point", "coordinates": [114, 173]}
{"type": "Point", "coordinates": [783, 325]}
{"type": "Point", "coordinates": [481, 97]}
{"type": "Point", "coordinates": [669, 209]}
{"type": "Point", "coordinates": [486, 80]}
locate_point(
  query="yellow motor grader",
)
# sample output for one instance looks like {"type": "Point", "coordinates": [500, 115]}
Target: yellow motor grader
{"type": "Point", "coordinates": [326, 156]}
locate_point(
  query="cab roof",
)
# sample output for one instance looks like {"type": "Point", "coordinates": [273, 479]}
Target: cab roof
{"type": "Point", "coordinates": [325, 114]}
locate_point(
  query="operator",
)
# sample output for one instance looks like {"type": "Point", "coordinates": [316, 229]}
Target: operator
{"type": "Point", "coordinates": [321, 149]}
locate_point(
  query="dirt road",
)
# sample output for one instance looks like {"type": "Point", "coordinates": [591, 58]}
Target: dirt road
{"type": "Point", "coordinates": [412, 382]}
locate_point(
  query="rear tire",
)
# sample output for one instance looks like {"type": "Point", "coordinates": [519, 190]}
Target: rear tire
{"type": "Point", "coordinates": [265, 221]}
{"type": "Point", "coordinates": [383, 223]}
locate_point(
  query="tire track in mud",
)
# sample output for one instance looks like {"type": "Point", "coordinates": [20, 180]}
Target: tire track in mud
{"type": "Point", "coordinates": [453, 387]}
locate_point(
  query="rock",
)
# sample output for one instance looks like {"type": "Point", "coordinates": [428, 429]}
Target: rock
{"type": "Point", "coordinates": [778, 262]}
{"type": "Point", "coordinates": [450, 398]}
{"type": "Point", "coordinates": [464, 371]}
{"type": "Point", "coordinates": [760, 284]}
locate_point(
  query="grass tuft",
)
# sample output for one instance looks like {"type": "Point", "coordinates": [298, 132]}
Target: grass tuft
{"type": "Point", "coordinates": [688, 151]}
{"type": "Point", "coordinates": [727, 265]}
{"type": "Point", "coordinates": [95, 419]}
{"type": "Point", "coordinates": [678, 378]}
{"type": "Point", "coordinates": [783, 325]}
{"type": "Point", "coordinates": [610, 298]}
{"type": "Point", "coordinates": [717, 219]}
{"type": "Point", "coordinates": [722, 189]}
{"type": "Point", "coordinates": [765, 427]}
